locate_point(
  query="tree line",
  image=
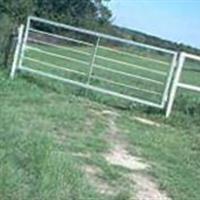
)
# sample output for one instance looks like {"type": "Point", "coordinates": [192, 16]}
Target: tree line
{"type": "Point", "coordinates": [91, 14]}
{"type": "Point", "coordinates": [156, 41]}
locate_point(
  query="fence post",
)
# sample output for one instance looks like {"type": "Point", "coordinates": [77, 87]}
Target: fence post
{"type": "Point", "coordinates": [24, 42]}
{"type": "Point", "coordinates": [93, 60]}
{"type": "Point", "coordinates": [174, 87]}
{"type": "Point", "coordinates": [169, 79]}
{"type": "Point", "coordinates": [17, 51]}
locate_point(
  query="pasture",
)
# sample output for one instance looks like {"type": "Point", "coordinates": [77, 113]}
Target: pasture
{"type": "Point", "coordinates": [129, 70]}
{"type": "Point", "coordinates": [60, 141]}
{"type": "Point", "coordinates": [109, 64]}
{"type": "Point", "coordinates": [54, 141]}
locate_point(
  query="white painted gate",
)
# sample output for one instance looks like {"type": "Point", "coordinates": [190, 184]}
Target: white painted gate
{"type": "Point", "coordinates": [96, 61]}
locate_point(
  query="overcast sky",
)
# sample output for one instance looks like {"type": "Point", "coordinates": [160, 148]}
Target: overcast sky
{"type": "Point", "coordinates": [176, 20]}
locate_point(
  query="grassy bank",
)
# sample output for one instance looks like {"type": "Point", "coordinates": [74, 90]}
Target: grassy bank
{"type": "Point", "coordinates": [49, 134]}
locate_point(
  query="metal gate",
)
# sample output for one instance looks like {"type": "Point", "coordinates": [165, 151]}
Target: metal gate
{"type": "Point", "coordinates": [96, 61]}
{"type": "Point", "coordinates": [189, 81]}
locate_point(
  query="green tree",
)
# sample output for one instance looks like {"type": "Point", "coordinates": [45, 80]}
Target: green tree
{"type": "Point", "coordinates": [70, 11]}
{"type": "Point", "coordinates": [84, 13]}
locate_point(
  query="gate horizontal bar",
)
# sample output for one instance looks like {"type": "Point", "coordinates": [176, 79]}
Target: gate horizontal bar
{"type": "Point", "coordinates": [189, 87]}
{"type": "Point", "coordinates": [100, 35]}
{"type": "Point", "coordinates": [59, 46]}
{"type": "Point", "coordinates": [127, 74]}
{"type": "Point", "coordinates": [134, 55]}
{"type": "Point", "coordinates": [148, 103]}
{"type": "Point", "coordinates": [54, 66]}
{"type": "Point", "coordinates": [57, 55]}
{"type": "Point", "coordinates": [125, 85]}
{"type": "Point", "coordinates": [62, 37]}
{"type": "Point", "coordinates": [191, 56]}
{"type": "Point", "coordinates": [132, 65]}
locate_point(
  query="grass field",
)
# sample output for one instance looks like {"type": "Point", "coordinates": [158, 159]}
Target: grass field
{"type": "Point", "coordinates": [125, 70]}
{"type": "Point", "coordinates": [48, 134]}
{"type": "Point", "coordinates": [191, 72]}
{"type": "Point", "coordinates": [54, 138]}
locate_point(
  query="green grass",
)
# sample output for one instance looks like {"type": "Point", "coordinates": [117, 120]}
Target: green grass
{"type": "Point", "coordinates": [40, 131]}
{"type": "Point", "coordinates": [110, 76]}
{"type": "Point", "coordinates": [42, 125]}
{"type": "Point", "coordinates": [190, 73]}
{"type": "Point", "coordinates": [173, 151]}
{"type": "Point", "coordinates": [45, 123]}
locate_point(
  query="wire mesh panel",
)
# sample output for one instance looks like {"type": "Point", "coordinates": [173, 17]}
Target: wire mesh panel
{"type": "Point", "coordinates": [99, 62]}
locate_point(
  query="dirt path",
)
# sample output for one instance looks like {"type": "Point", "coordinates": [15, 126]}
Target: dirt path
{"type": "Point", "coordinates": [145, 187]}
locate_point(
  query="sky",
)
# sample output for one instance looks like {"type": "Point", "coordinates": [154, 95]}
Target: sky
{"type": "Point", "coordinates": [176, 20]}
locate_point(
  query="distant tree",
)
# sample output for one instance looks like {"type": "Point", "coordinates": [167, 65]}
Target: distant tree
{"type": "Point", "coordinates": [69, 11]}
{"type": "Point", "coordinates": [16, 10]}
{"type": "Point", "coordinates": [86, 13]}
{"type": "Point", "coordinates": [139, 38]}
{"type": "Point", "coordinates": [12, 13]}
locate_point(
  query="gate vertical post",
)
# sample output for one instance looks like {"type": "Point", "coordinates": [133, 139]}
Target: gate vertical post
{"type": "Point", "coordinates": [93, 60]}
{"type": "Point", "coordinates": [175, 84]}
{"type": "Point", "coordinates": [170, 79]}
{"type": "Point", "coordinates": [24, 42]}
{"type": "Point", "coordinates": [17, 51]}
